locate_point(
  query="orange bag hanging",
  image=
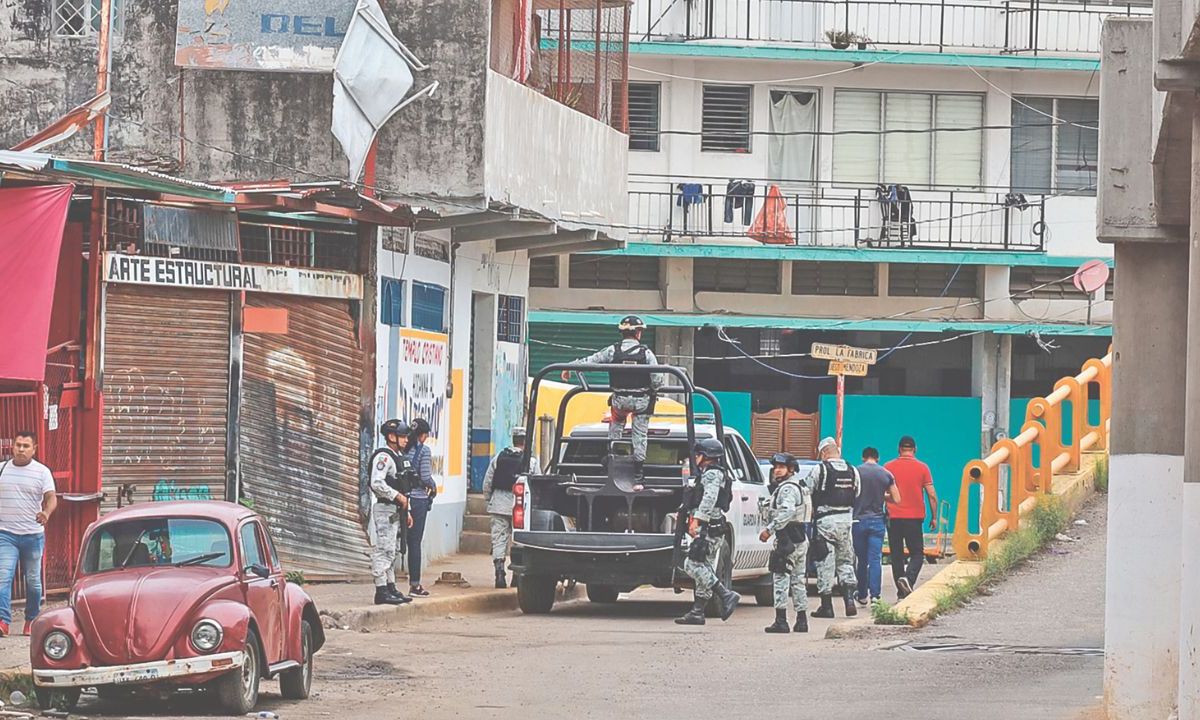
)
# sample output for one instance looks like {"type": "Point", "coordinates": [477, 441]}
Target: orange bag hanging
{"type": "Point", "coordinates": [771, 226]}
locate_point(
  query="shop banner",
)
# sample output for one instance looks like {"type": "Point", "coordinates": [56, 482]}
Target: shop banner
{"type": "Point", "coordinates": [178, 272]}
{"type": "Point", "coordinates": [420, 390]}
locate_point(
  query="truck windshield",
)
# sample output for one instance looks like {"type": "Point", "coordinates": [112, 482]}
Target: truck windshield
{"type": "Point", "coordinates": [591, 451]}
{"type": "Point", "coordinates": [158, 541]}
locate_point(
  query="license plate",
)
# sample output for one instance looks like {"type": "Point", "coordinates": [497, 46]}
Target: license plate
{"type": "Point", "coordinates": [132, 676]}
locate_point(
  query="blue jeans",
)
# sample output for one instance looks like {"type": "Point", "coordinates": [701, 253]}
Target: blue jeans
{"type": "Point", "coordinates": [868, 553]}
{"type": "Point", "coordinates": [28, 549]}
{"type": "Point", "coordinates": [419, 510]}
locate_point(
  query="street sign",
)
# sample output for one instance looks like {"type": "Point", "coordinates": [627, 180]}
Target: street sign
{"type": "Point", "coordinates": [825, 351]}
{"type": "Point", "coordinates": [846, 367]}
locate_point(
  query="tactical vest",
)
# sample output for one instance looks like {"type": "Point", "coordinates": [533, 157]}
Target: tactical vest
{"type": "Point", "coordinates": [724, 495]}
{"type": "Point", "coordinates": [794, 530]}
{"type": "Point", "coordinates": [636, 380]}
{"type": "Point", "coordinates": [835, 489]}
{"type": "Point", "coordinates": [406, 475]}
{"type": "Point", "coordinates": [508, 464]}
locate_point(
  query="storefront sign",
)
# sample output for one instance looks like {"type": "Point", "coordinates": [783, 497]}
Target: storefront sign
{"type": "Point", "coordinates": [281, 35]}
{"type": "Point", "coordinates": [175, 272]}
{"type": "Point", "coordinates": [420, 390]}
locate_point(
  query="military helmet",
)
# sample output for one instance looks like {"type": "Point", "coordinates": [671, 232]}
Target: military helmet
{"type": "Point", "coordinates": [420, 426]}
{"type": "Point", "coordinates": [710, 448]}
{"type": "Point", "coordinates": [629, 323]}
{"type": "Point", "coordinates": [393, 427]}
{"type": "Point", "coordinates": [786, 459]}
{"type": "Point", "coordinates": [518, 434]}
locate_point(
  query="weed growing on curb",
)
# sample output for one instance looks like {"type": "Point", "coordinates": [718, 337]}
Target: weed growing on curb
{"type": "Point", "coordinates": [1101, 474]}
{"type": "Point", "coordinates": [884, 613]}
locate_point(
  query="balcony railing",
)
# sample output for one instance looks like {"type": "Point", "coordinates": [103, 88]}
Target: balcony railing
{"type": "Point", "coordinates": [840, 217]}
{"type": "Point", "coordinates": [1004, 26]}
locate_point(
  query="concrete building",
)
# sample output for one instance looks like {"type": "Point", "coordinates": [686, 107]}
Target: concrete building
{"type": "Point", "coordinates": [496, 169]}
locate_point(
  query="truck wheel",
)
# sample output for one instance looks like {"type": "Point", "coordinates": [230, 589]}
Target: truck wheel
{"type": "Point", "coordinates": [535, 595]}
{"type": "Point", "coordinates": [764, 595]}
{"type": "Point", "coordinates": [294, 684]}
{"type": "Point", "coordinates": [65, 699]}
{"type": "Point", "coordinates": [237, 690]}
{"type": "Point", "coordinates": [605, 594]}
{"type": "Point", "coordinates": [724, 576]}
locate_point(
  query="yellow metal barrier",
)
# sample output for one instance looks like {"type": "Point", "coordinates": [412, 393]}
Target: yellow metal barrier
{"type": "Point", "coordinates": [1044, 419]}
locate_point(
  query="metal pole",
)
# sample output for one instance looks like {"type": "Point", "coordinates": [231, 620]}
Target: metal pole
{"type": "Point", "coordinates": [104, 60]}
{"type": "Point", "coordinates": [597, 82]}
{"type": "Point", "coordinates": [841, 406]}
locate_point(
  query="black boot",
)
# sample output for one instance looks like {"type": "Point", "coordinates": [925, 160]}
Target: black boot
{"type": "Point", "coordinates": [638, 470]}
{"type": "Point", "coordinates": [780, 625]}
{"type": "Point", "coordinates": [729, 600]}
{"type": "Point", "coordinates": [500, 583]}
{"type": "Point", "coordinates": [801, 625]}
{"type": "Point", "coordinates": [391, 588]}
{"type": "Point", "coordinates": [383, 598]}
{"type": "Point", "coordinates": [851, 609]}
{"type": "Point", "coordinates": [826, 609]}
{"type": "Point", "coordinates": [695, 616]}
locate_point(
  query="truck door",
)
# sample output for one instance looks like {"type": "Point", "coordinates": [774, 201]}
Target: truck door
{"type": "Point", "coordinates": [748, 489]}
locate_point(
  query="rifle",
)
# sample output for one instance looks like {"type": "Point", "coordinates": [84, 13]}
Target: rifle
{"type": "Point", "coordinates": [682, 516]}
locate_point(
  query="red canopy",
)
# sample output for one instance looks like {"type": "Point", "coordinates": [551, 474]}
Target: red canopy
{"type": "Point", "coordinates": [31, 230]}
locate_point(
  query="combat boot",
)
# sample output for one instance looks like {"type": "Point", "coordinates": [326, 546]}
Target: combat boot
{"type": "Point", "coordinates": [729, 600]}
{"type": "Point", "coordinates": [801, 625]}
{"type": "Point", "coordinates": [500, 582]}
{"type": "Point", "coordinates": [391, 589]}
{"type": "Point", "coordinates": [826, 609]}
{"type": "Point", "coordinates": [780, 625]}
{"type": "Point", "coordinates": [851, 609]}
{"type": "Point", "coordinates": [695, 616]}
{"type": "Point", "coordinates": [383, 598]}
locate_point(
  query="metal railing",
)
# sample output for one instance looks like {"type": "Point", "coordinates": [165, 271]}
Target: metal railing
{"type": "Point", "coordinates": [1006, 26]}
{"type": "Point", "coordinates": [841, 217]}
{"type": "Point", "coordinates": [1003, 505]}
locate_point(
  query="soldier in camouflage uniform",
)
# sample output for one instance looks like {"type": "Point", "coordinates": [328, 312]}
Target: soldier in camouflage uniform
{"type": "Point", "coordinates": [835, 485]}
{"type": "Point", "coordinates": [706, 527]}
{"type": "Point", "coordinates": [633, 390]}
{"type": "Point", "coordinates": [788, 559]}
{"type": "Point", "coordinates": [391, 478]}
{"type": "Point", "coordinates": [498, 483]}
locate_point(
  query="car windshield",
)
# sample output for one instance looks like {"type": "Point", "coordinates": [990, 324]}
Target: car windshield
{"type": "Point", "coordinates": [158, 542]}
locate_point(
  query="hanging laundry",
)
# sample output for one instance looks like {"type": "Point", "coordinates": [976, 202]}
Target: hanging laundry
{"type": "Point", "coordinates": [689, 194]}
{"type": "Point", "coordinates": [739, 194]}
{"type": "Point", "coordinates": [771, 226]}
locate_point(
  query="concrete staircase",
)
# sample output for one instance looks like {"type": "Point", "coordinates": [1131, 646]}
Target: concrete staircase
{"type": "Point", "coordinates": [477, 527]}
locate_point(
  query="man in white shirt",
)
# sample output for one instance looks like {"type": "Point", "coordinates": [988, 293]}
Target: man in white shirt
{"type": "Point", "coordinates": [27, 500]}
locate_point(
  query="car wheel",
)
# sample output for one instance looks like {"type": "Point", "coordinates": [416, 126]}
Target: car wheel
{"type": "Point", "coordinates": [65, 699]}
{"type": "Point", "coordinates": [535, 595]}
{"type": "Point", "coordinates": [764, 595]}
{"type": "Point", "coordinates": [724, 576]}
{"type": "Point", "coordinates": [294, 684]}
{"type": "Point", "coordinates": [237, 691]}
{"type": "Point", "coordinates": [605, 594]}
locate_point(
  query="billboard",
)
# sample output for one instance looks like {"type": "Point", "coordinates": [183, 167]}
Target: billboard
{"type": "Point", "coordinates": [263, 35]}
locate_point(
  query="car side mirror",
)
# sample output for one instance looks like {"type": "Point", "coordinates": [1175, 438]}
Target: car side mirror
{"type": "Point", "coordinates": [259, 570]}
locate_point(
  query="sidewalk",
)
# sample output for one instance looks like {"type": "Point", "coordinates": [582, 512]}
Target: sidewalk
{"type": "Point", "coordinates": [351, 605]}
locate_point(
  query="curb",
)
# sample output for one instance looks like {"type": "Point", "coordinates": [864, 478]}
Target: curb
{"type": "Point", "coordinates": [389, 617]}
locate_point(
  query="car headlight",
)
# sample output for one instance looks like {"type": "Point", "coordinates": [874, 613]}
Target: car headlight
{"type": "Point", "coordinates": [206, 636]}
{"type": "Point", "coordinates": [56, 645]}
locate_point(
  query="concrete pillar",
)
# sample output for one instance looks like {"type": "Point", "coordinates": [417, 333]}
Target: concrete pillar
{"type": "Point", "coordinates": [676, 278]}
{"type": "Point", "coordinates": [1189, 602]}
{"type": "Point", "coordinates": [991, 382]}
{"type": "Point", "coordinates": [676, 346]}
{"type": "Point", "coordinates": [1141, 644]}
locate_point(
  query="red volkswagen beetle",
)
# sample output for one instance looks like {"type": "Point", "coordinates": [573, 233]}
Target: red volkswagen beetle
{"type": "Point", "coordinates": [178, 594]}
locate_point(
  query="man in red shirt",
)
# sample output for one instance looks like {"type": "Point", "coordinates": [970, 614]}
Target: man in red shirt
{"type": "Point", "coordinates": [907, 517]}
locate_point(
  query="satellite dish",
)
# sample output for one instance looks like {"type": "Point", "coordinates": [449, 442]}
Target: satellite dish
{"type": "Point", "coordinates": [1091, 276]}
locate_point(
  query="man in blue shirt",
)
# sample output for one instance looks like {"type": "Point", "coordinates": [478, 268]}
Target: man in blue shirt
{"type": "Point", "coordinates": [870, 524]}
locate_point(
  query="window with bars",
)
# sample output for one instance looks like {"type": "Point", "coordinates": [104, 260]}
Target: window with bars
{"type": "Point", "coordinates": [644, 101]}
{"type": "Point", "coordinates": [1055, 145]}
{"type": "Point", "coordinates": [725, 118]}
{"type": "Point", "coordinates": [299, 247]}
{"type": "Point", "coordinates": [613, 272]}
{"type": "Point", "coordinates": [82, 18]}
{"type": "Point", "coordinates": [770, 341]}
{"type": "Point", "coordinates": [391, 302]}
{"type": "Point", "coordinates": [1049, 283]}
{"type": "Point", "coordinates": [736, 275]}
{"type": "Point", "coordinates": [895, 142]}
{"type": "Point", "coordinates": [510, 319]}
{"type": "Point", "coordinates": [543, 272]}
{"type": "Point", "coordinates": [834, 278]}
{"type": "Point", "coordinates": [933, 280]}
{"type": "Point", "coordinates": [428, 307]}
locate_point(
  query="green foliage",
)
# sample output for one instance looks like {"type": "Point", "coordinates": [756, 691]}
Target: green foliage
{"type": "Point", "coordinates": [296, 577]}
{"type": "Point", "coordinates": [246, 502]}
{"type": "Point", "coordinates": [1101, 474]}
{"type": "Point", "coordinates": [885, 613]}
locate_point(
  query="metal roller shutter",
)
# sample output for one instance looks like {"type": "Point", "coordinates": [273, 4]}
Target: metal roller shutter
{"type": "Point", "coordinates": [299, 435]}
{"type": "Point", "coordinates": [166, 388]}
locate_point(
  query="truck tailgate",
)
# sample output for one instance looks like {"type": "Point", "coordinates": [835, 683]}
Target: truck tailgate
{"type": "Point", "coordinates": [594, 542]}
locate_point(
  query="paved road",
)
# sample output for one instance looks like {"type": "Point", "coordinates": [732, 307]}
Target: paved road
{"type": "Point", "coordinates": [629, 660]}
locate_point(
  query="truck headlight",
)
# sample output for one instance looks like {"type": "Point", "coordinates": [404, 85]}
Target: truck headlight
{"type": "Point", "coordinates": [206, 636]}
{"type": "Point", "coordinates": [56, 645]}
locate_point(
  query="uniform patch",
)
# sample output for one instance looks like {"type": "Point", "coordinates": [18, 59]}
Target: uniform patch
{"type": "Point", "coordinates": [382, 464]}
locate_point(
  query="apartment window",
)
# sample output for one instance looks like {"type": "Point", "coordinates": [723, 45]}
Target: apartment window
{"type": "Point", "coordinates": [613, 272]}
{"type": "Point", "coordinates": [543, 271]}
{"type": "Point", "coordinates": [391, 302]}
{"type": "Point", "coordinates": [895, 140]}
{"type": "Point", "coordinates": [81, 18]}
{"type": "Point", "coordinates": [644, 99]}
{"type": "Point", "coordinates": [1049, 156]}
{"type": "Point", "coordinates": [1049, 283]}
{"type": "Point", "coordinates": [725, 118]}
{"type": "Point", "coordinates": [428, 307]}
{"type": "Point", "coordinates": [833, 278]}
{"type": "Point", "coordinates": [740, 276]}
{"type": "Point", "coordinates": [510, 319]}
{"type": "Point", "coordinates": [933, 280]}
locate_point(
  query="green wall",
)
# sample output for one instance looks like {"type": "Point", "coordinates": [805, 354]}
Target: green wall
{"type": "Point", "coordinates": [735, 410]}
{"type": "Point", "coordinates": [946, 430]}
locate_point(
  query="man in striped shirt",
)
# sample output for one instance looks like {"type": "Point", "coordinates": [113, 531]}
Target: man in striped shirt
{"type": "Point", "coordinates": [27, 500]}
